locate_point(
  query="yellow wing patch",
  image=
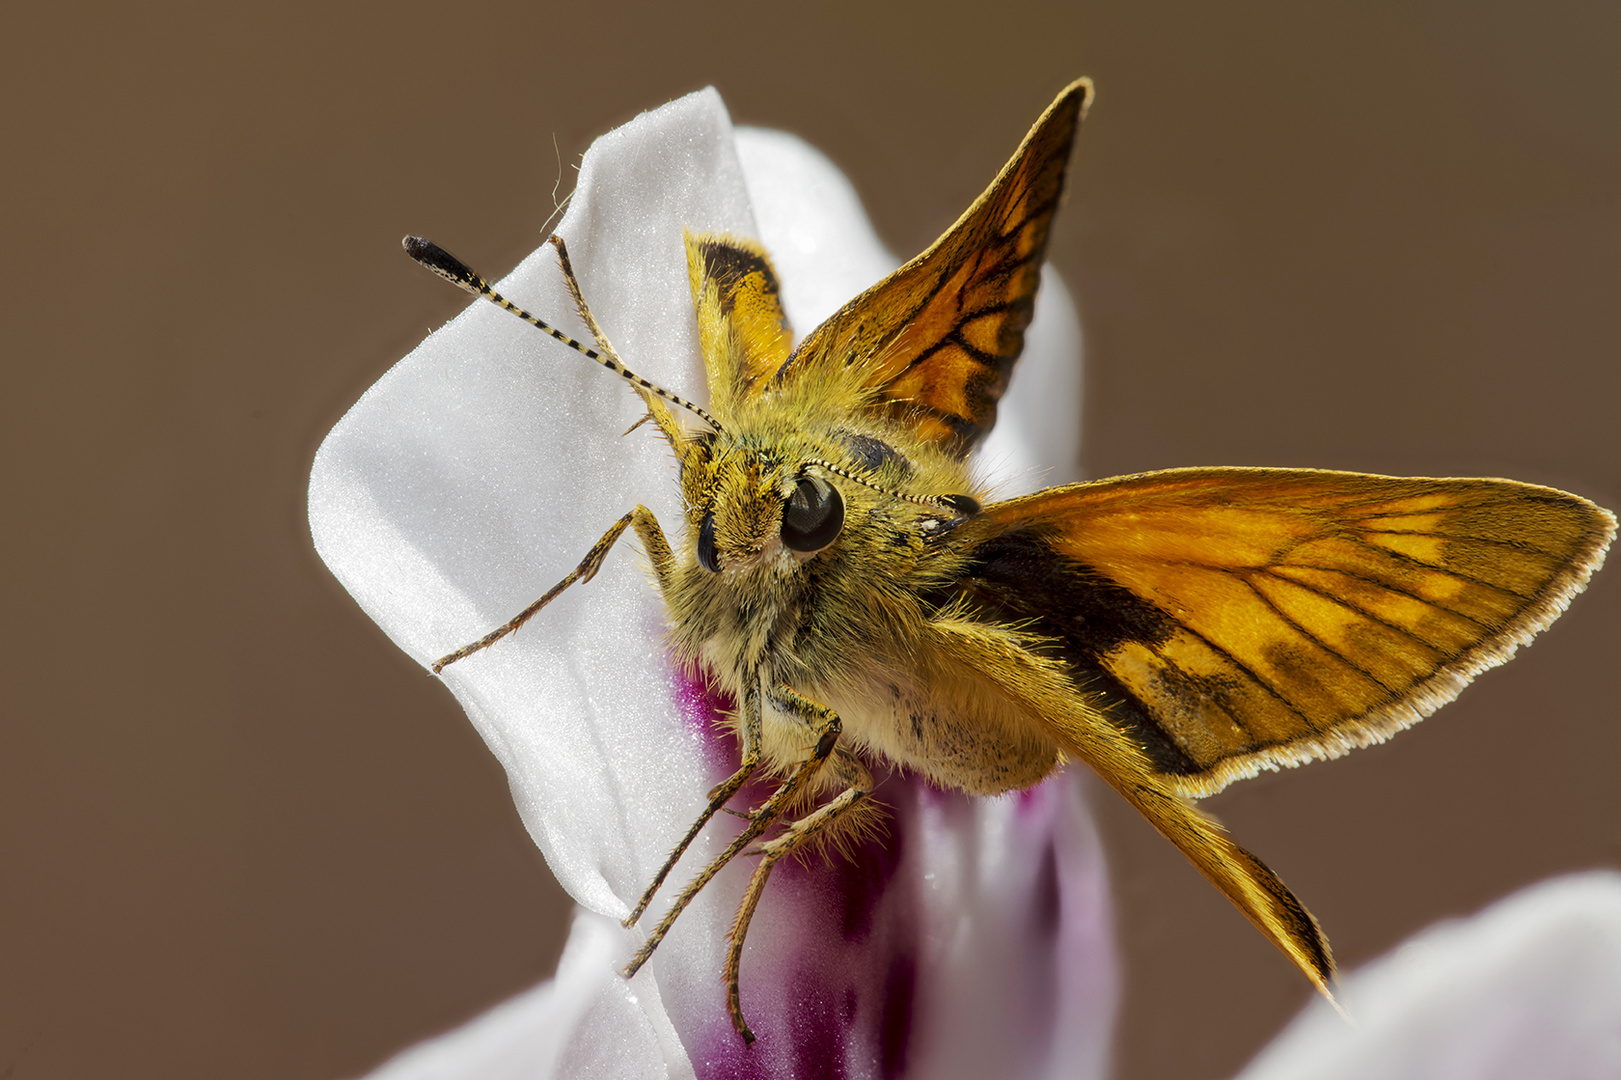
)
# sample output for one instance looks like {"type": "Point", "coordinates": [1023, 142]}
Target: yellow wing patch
{"type": "Point", "coordinates": [938, 338]}
{"type": "Point", "coordinates": [1295, 614]}
{"type": "Point", "coordinates": [742, 330]}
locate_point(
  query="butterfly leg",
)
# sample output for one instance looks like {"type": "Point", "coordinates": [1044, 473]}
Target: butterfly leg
{"type": "Point", "coordinates": [719, 795]}
{"type": "Point", "coordinates": [658, 552]}
{"type": "Point", "coordinates": [758, 822]}
{"type": "Point", "coordinates": [857, 783]}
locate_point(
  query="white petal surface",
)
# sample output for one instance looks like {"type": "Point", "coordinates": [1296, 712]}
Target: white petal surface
{"type": "Point", "coordinates": [1529, 988]}
{"type": "Point", "coordinates": [538, 1034]}
{"type": "Point", "coordinates": [482, 466]}
{"type": "Point", "coordinates": [477, 472]}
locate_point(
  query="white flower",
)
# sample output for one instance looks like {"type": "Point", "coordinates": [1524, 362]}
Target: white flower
{"type": "Point", "coordinates": [1529, 989]}
{"type": "Point", "coordinates": [972, 941]}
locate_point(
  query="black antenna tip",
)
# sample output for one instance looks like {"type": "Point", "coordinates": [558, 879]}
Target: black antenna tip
{"type": "Point", "coordinates": [441, 262]}
{"type": "Point", "coordinates": [423, 250]}
{"type": "Point", "coordinates": [965, 505]}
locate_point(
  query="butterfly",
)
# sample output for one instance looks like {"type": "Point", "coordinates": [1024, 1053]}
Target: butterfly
{"type": "Point", "coordinates": [843, 576]}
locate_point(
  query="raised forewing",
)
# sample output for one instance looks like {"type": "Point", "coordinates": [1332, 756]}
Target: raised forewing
{"type": "Point", "coordinates": [938, 338]}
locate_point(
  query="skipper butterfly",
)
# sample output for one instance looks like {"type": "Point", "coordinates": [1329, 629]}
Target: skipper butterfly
{"type": "Point", "coordinates": [842, 576]}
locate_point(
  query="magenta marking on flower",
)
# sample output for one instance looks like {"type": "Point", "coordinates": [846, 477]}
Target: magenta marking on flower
{"type": "Point", "coordinates": [839, 986]}
{"type": "Point", "coordinates": [703, 710]}
{"type": "Point", "coordinates": [1045, 901]}
{"type": "Point", "coordinates": [1033, 801]}
{"type": "Point", "coordinates": [895, 1024]}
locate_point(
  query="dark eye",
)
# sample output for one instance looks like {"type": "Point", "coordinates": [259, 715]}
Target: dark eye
{"type": "Point", "coordinates": [706, 545]}
{"type": "Point", "coordinates": [814, 515]}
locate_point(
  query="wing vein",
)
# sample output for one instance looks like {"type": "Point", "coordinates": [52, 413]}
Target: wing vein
{"type": "Point", "coordinates": [1312, 636]}
{"type": "Point", "coordinates": [1431, 568]}
{"type": "Point", "coordinates": [1245, 668]}
{"type": "Point", "coordinates": [1399, 592]}
{"type": "Point", "coordinates": [1271, 571]}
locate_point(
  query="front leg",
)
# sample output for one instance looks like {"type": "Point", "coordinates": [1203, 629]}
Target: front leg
{"type": "Point", "coordinates": [658, 552]}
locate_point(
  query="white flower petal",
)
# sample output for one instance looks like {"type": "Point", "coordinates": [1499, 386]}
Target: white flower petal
{"type": "Point", "coordinates": [583, 1023]}
{"type": "Point", "coordinates": [1530, 987]}
{"type": "Point", "coordinates": [482, 466]}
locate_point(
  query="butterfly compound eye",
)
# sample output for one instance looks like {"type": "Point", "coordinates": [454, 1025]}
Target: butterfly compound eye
{"type": "Point", "coordinates": [707, 558]}
{"type": "Point", "coordinates": [814, 515]}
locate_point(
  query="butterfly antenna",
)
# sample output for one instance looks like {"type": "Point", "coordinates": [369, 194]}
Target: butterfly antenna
{"type": "Point", "coordinates": [966, 505]}
{"type": "Point", "coordinates": [458, 273]}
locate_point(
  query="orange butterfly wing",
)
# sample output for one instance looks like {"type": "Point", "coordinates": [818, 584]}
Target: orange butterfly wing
{"type": "Point", "coordinates": [1234, 620]}
{"type": "Point", "coordinates": [938, 338]}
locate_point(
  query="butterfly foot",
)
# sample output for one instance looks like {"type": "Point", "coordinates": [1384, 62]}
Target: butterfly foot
{"type": "Point", "coordinates": [738, 1022]}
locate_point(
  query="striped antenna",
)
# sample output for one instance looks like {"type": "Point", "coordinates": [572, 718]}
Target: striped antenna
{"type": "Point", "coordinates": [966, 505]}
{"type": "Point", "coordinates": [458, 273]}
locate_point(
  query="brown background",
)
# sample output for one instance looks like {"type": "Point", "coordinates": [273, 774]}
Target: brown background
{"type": "Point", "coordinates": [242, 836]}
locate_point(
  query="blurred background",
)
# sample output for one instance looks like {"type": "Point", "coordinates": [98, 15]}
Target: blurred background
{"type": "Point", "coordinates": [241, 835]}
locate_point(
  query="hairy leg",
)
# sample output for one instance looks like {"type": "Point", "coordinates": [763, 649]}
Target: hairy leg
{"type": "Point", "coordinates": [658, 551]}
{"type": "Point", "coordinates": [857, 783]}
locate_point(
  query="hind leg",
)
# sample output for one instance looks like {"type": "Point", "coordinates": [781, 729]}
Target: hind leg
{"type": "Point", "coordinates": [857, 785]}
